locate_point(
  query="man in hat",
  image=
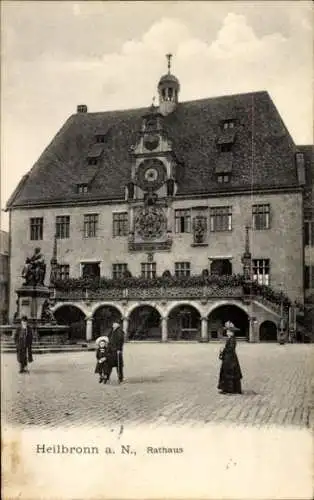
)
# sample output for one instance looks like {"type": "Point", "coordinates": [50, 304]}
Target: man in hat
{"type": "Point", "coordinates": [23, 339]}
{"type": "Point", "coordinates": [115, 349]}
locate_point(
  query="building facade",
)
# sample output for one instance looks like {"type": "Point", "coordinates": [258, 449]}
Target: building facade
{"type": "Point", "coordinates": [4, 277]}
{"type": "Point", "coordinates": [173, 219]}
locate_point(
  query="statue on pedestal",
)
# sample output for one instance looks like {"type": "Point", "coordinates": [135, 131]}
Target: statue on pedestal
{"type": "Point", "coordinates": [34, 270]}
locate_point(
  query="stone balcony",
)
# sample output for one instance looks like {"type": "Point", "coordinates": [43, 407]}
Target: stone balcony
{"type": "Point", "coordinates": [200, 287]}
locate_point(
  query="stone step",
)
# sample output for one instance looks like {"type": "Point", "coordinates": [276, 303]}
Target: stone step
{"type": "Point", "coordinates": [51, 349]}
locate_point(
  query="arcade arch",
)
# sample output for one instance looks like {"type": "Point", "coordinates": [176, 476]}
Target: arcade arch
{"type": "Point", "coordinates": [228, 312]}
{"type": "Point", "coordinates": [73, 317]}
{"type": "Point", "coordinates": [144, 323]}
{"type": "Point", "coordinates": [184, 323]}
{"type": "Point", "coordinates": [268, 332]}
{"type": "Point", "coordinates": [103, 318]}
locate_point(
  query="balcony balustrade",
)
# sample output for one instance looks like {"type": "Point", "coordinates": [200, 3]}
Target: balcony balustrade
{"type": "Point", "coordinates": [201, 287]}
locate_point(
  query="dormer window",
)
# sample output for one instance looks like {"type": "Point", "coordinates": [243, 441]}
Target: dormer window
{"type": "Point", "coordinates": [223, 178]}
{"type": "Point", "coordinates": [92, 161]}
{"type": "Point", "coordinates": [228, 124]}
{"type": "Point", "coordinates": [82, 188]}
{"type": "Point", "coordinates": [225, 148]}
{"type": "Point", "coordinates": [100, 138]}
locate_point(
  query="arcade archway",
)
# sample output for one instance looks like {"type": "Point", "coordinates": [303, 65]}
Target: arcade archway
{"type": "Point", "coordinates": [144, 323]}
{"type": "Point", "coordinates": [74, 318]}
{"type": "Point", "coordinates": [219, 316]}
{"type": "Point", "coordinates": [184, 323]}
{"type": "Point", "coordinates": [268, 332]}
{"type": "Point", "coordinates": [103, 318]}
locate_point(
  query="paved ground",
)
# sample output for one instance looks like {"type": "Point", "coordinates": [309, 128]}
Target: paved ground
{"type": "Point", "coordinates": [170, 383]}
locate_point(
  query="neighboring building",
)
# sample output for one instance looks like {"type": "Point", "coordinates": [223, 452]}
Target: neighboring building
{"type": "Point", "coordinates": [307, 156]}
{"type": "Point", "coordinates": [4, 277]}
{"type": "Point", "coordinates": [161, 211]}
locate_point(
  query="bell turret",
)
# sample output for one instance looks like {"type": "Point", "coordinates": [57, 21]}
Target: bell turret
{"type": "Point", "coordinates": [168, 91]}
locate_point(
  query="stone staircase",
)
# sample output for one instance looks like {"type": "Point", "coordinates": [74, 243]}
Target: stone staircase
{"type": "Point", "coordinates": [41, 347]}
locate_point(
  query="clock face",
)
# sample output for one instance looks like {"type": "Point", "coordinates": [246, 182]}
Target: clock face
{"type": "Point", "coordinates": [151, 174]}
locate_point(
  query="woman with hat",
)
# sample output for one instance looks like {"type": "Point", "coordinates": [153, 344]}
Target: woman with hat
{"type": "Point", "coordinates": [230, 372]}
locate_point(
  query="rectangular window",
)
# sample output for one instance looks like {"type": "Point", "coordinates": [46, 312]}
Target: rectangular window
{"type": "Point", "coordinates": [62, 226]}
{"type": "Point", "coordinates": [63, 271]}
{"type": "Point", "coordinates": [182, 221]}
{"type": "Point", "coordinates": [90, 225]}
{"type": "Point", "coordinates": [120, 224]}
{"type": "Point", "coordinates": [148, 269]}
{"type": "Point", "coordinates": [260, 214]}
{"type": "Point", "coordinates": [309, 233]}
{"type": "Point", "coordinates": [182, 268]}
{"type": "Point", "coordinates": [308, 277]}
{"type": "Point", "coordinates": [90, 269]}
{"type": "Point", "coordinates": [119, 270]}
{"type": "Point", "coordinates": [260, 269]}
{"type": "Point", "coordinates": [36, 228]}
{"type": "Point", "coordinates": [221, 219]}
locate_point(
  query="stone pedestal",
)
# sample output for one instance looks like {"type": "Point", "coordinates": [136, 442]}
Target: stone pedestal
{"type": "Point", "coordinates": [31, 300]}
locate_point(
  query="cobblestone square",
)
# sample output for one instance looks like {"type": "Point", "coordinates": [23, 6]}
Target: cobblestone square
{"type": "Point", "coordinates": [165, 384]}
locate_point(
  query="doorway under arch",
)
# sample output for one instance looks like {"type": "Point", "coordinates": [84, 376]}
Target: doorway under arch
{"type": "Point", "coordinates": [74, 318]}
{"type": "Point", "coordinates": [268, 332]}
{"type": "Point", "coordinates": [144, 323]}
{"type": "Point", "coordinates": [103, 318]}
{"type": "Point", "coordinates": [184, 323]}
{"type": "Point", "coordinates": [219, 316]}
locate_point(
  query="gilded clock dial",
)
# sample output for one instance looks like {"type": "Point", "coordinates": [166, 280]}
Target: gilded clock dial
{"type": "Point", "coordinates": [151, 174]}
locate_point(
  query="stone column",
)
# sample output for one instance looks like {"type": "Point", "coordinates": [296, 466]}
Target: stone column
{"type": "Point", "coordinates": [89, 329]}
{"type": "Point", "coordinates": [170, 221]}
{"type": "Point", "coordinates": [125, 327]}
{"type": "Point", "coordinates": [164, 329]}
{"type": "Point", "coordinates": [131, 220]}
{"type": "Point", "coordinates": [253, 330]}
{"type": "Point", "coordinates": [204, 329]}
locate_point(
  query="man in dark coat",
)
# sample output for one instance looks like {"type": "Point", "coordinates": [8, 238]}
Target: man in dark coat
{"type": "Point", "coordinates": [115, 351]}
{"type": "Point", "coordinates": [23, 338]}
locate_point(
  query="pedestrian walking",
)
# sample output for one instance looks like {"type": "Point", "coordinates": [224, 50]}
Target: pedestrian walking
{"type": "Point", "coordinates": [230, 371]}
{"type": "Point", "coordinates": [115, 351]}
{"type": "Point", "coordinates": [23, 338]}
{"type": "Point", "coordinates": [102, 359]}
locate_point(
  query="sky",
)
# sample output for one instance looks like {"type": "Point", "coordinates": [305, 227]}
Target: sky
{"type": "Point", "coordinates": [110, 55]}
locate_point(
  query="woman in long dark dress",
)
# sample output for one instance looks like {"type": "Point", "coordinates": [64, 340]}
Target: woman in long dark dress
{"type": "Point", "coordinates": [230, 372]}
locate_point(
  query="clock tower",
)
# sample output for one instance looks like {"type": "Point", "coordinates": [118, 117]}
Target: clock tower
{"type": "Point", "coordinates": [152, 187]}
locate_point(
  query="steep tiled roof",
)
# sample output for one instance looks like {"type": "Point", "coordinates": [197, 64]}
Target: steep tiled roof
{"type": "Point", "coordinates": [308, 152]}
{"type": "Point", "coordinates": [263, 151]}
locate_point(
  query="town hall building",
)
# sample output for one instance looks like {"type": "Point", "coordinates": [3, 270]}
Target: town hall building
{"type": "Point", "coordinates": [172, 219]}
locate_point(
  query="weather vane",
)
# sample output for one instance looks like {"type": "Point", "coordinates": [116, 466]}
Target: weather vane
{"type": "Point", "coordinates": [169, 56]}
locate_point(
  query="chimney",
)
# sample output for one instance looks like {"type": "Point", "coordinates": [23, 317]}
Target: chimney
{"type": "Point", "coordinates": [81, 108]}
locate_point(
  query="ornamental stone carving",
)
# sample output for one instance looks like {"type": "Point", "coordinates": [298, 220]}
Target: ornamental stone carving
{"type": "Point", "coordinates": [150, 222]}
{"type": "Point", "coordinates": [199, 229]}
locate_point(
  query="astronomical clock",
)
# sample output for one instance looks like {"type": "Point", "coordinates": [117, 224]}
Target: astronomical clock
{"type": "Point", "coordinates": [152, 187]}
